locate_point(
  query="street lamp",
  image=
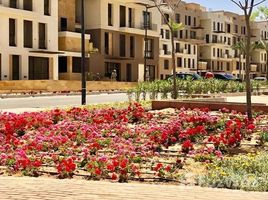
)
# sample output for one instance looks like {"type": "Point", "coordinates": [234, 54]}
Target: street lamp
{"type": "Point", "coordinates": [83, 69]}
{"type": "Point", "coordinates": [146, 24]}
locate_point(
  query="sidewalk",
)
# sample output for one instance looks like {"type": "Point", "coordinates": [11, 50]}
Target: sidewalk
{"type": "Point", "coordinates": [25, 188]}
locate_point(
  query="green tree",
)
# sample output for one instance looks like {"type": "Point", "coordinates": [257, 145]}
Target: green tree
{"type": "Point", "coordinates": [172, 5]}
{"type": "Point", "coordinates": [247, 7]}
{"type": "Point", "coordinates": [264, 45]}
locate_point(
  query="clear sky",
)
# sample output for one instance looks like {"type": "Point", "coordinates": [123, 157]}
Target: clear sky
{"type": "Point", "coordinates": [218, 5]}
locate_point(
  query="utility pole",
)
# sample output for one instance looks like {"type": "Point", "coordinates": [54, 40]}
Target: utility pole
{"type": "Point", "coordinates": [83, 69]}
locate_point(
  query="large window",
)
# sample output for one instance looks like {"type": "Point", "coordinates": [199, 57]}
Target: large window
{"type": "Point", "coordinates": [28, 34]}
{"type": "Point", "coordinates": [15, 67]}
{"type": "Point", "coordinates": [76, 67]}
{"type": "Point", "coordinates": [12, 32]}
{"type": "Point", "coordinates": [38, 68]}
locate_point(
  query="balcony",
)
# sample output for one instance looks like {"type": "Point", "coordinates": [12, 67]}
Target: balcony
{"type": "Point", "coordinates": [164, 52]}
{"type": "Point", "coordinates": [71, 41]}
{"type": "Point", "coordinates": [140, 29]}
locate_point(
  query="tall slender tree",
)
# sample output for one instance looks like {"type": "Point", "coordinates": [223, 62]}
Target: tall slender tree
{"type": "Point", "coordinates": [172, 6]}
{"type": "Point", "coordinates": [247, 7]}
{"type": "Point", "coordinates": [262, 14]}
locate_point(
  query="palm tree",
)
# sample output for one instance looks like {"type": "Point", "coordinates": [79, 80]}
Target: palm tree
{"type": "Point", "coordinates": [172, 5]}
{"type": "Point", "coordinates": [241, 46]}
{"type": "Point", "coordinates": [264, 45]}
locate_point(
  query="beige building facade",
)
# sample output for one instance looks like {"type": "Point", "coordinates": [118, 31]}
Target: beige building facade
{"type": "Point", "coordinates": [187, 41]}
{"type": "Point", "coordinates": [118, 33]}
{"type": "Point", "coordinates": [28, 42]}
{"type": "Point", "coordinates": [69, 38]}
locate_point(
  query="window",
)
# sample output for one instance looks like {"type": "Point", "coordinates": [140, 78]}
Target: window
{"type": "Point", "coordinates": [189, 20]}
{"type": "Point", "coordinates": [110, 14]}
{"type": "Point", "coordinates": [181, 34]}
{"type": "Point", "coordinates": [146, 20]}
{"type": "Point", "coordinates": [179, 62]}
{"type": "Point", "coordinates": [15, 67]}
{"type": "Point", "coordinates": [165, 19]}
{"type": "Point", "coordinates": [214, 52]}
{"type": "Point", "coordinates": [76, 67]}
{"type": "Point", "coordinates": [194, 21]}
{"type": "Point", "coordinates": [38, 68]}
{"type": "Point", "coordinates": [150, 53]}
{"type": "Point", "coordinates": [184, 63]}
{"type": "Point", "coordinates": [228, 28]}
{"type": "Point", "coordinates": [46, 7]}
{"type": "Point", "coordinates": [193, 66]}
{"type": "Point", "coordinates": [62, 64]}
{"type": "Point", "coordinates": [132, 46]}
{"type": "Point", "coordinates": [63, 24]}
{"type": "Point", "coordinates": [178, 47]}
{"type": "Point", "coordinates": [12, 32]}
{"type": "Point", "coordinates": [122, 45]}
{"type": "Point", "coordinates": [236, 28]}
{"type": "Point", "coordinates": [42, 36]}
{"type": "Point", "coordinates": [189, 49]}
{"type": "Point", "coordinates": [28, 5]}
{"type": "Point", "coordinates": [108, 43]}
{"type": "Point", "coordinates": [189, 63]}
{"type": "Point", "coordinates": [167, 34]}
{"type": "Point", "coordinates": [228, 66]}
{"type": "Point", "coordinates": [122, 16]}
{"type": "Point", "coordinates": [186, 20]}
{"type": "Point", "coordinates": [165, 48]}
{"type": "Point", "coordinates": [166, 64]}
{"type": "Point", "coordinates": [178, 18]}
{"type": "Point", "coordinates": [130, 18]}
{"type": "Point", "coordinates": [13, 3]}
{"type": "Point", "coordinates": [28, 34]}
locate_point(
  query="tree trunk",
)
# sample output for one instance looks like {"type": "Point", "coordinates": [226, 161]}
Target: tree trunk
{"type": "Point", "coordinates": [175, 92]}
{"type": "Point", "coordinates": [267, 65]}
{"type": "Point", "coordinates": [240, 65]}
{"type": "Point", "coordinates": [248, 85]}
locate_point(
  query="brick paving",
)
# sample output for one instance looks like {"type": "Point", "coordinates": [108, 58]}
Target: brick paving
{"type": "Point", "coordinates": [25, 188]}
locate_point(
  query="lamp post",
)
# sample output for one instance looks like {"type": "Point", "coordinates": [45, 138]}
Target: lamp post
{"type": "Point", "coordinates": [146, 26]}
{"type": "Point", "coordinates": [83, 70]}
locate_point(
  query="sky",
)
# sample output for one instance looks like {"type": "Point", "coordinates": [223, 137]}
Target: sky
{"type": "Point", "coordinates": [218, 5]}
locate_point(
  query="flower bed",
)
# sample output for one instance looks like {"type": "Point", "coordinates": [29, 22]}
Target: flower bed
{"type": "Point", "coordinates": [118, 144]}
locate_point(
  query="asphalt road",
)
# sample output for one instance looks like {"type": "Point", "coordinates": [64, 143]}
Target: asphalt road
{"type": "Point", "coordinates": [36, 103]}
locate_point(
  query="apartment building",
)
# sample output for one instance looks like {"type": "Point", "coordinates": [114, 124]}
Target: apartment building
{"type": "Point", "coordinates": [70, 41]}
{"type": "Point", "coordinates": [28, 42]}
{"type": "Point", "coordinates": [259, 57]}
{"type": "Point", "coordinates": [187, 41]}
{"type": "Point", "coordinates": [117, 31]}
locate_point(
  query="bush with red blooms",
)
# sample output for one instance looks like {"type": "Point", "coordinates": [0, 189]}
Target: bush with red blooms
{"type": "Point", "coordinates": [112, 143]}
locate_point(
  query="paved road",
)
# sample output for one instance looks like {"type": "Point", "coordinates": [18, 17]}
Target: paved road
{"type": "Point", "coordinates": [35, 103]}
{"type": "Point", "coordinates": [13, 188]}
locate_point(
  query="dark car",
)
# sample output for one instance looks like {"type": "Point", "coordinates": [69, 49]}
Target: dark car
{"type": "Point", "coordinates": [226, 77]}
{"type": "Point", "coordinates": [186, 76]}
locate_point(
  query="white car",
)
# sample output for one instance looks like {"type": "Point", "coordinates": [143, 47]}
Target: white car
{"type": "Point", "coordinates": [260, 79]}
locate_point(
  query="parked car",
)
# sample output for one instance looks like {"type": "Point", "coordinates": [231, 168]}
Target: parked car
{"type": "Point", "coordinates": [226, 77]}
{"type": "Point", "coordinates": [186, 76]}
{"type": "Point", "coordinates": [259, 78]}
